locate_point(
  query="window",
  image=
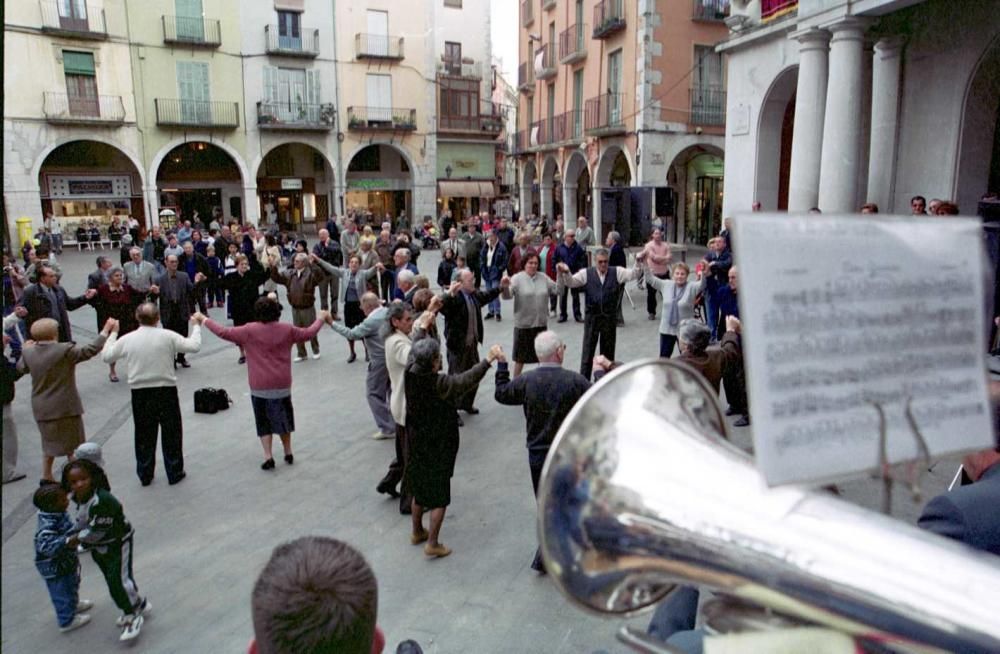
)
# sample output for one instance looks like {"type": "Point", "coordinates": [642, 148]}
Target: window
{"type": "Point", "coordinates": [707, 98]}
{"type": "Point", "coordinates": [292, 94]}
{"type": "Point", "coordinates": [379, 95]}
{"type": "Point", "coordinates": [81, 83]}
{"type": "Point", "coordinates": [550, 109]}
{"type": "Point", "coordinates": [378, 33]}
{"type": "Point", "coordinates": [193, 88]}
{"type": "Point", "coordinates": [457, 4]}
{"type": "Point", "coordinates": [707, 67]}
{"type": "Point", "coordinates": [73, 15]}
{"type": "Point", "coordinates": [289, 30]}
{"type": "Point", "coordinates": [190, 25]}
{"type": "Point", "coordinates": [453, 58]}
{"type": "Point", "coordinates": [578, 103]}
{"type": "Point", "coordinates": [614, 87]}
{"type": "Point", "coordinates": [459, 107]}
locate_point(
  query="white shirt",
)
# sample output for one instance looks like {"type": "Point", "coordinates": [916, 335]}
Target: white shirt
{"type": "Point", "coordinates": [150, 352]}
{"type": "Point", "coordinates": [580, 278]}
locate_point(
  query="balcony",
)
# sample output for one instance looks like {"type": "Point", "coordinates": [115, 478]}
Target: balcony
{"type": "Point", "coordinates": [545, 58]}
{"type": "Point", "coordinates": [527, 13]}
{"type": "Point", "coordinates": [381, 119]}
{"type": "Point", "coordinates": [573, 44]}
{"type": "Point", "coordinates": [609, 18]}
{"type": "Point", "coordinates": [296, 116]}
{"type": "Point", "coordinates": [458, 68]}
{"type": "Point", "coordinates": [713, 11]}
{"type": "Point", "coordinates": [548, 4]}
{"type": "Point", "coordinates": [306, 44]}
{"type": "Point", "coordinates": [603, 115]}
{"type": "Point", "coordinates": [63, 109]}
{"type": "Point", "coordinates": [191, 32]}
{"type": "Point", "coordinates": [197, 113]}
{"type": "Point", "coordinates": [74, 19]}
{"type": "Point", "coordinates": [517, 142]}
{"type": "Point", "coordinates": [539, 133]}
{"type": "Point", "coordinates": [708, 106]}
{"type": "Point", "coordinates": [568, 127]}
{"type": "Point", "coordinates": [487, 122]}
{"type": "Point", "coordinates": [526, 78]}
{"type": "Point", "coordinates": [771, 9]}
{"type": "Point", "coordinates": [378, 46]}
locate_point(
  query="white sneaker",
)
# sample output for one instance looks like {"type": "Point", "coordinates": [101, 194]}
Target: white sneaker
{"type": "Point", "coordinates": [78, 621]}
{"type": "Point", "coordinates": [316, 356]}
{"type": "Point", "coordinates": [84, 605]}
{"type": "Point", "coordinates": [131, 629]}
{"type": "Point", "coordinates": [298, 359]}
{"type": "Point", "coordinates": [145, 610]}
{"type": "Point", "coordinates": [381, 436]}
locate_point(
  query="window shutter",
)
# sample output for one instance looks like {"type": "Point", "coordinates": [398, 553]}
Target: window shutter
{"type": "Point", "coordinates": [270, 85]}
{"type": "Point", "coordinates": [78, 63]}
{"type": "Point", "coordinates": [312, 87]}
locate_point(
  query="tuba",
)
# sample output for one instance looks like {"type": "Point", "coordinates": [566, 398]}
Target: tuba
{"type": "Point", "coordinates": [642, 491]}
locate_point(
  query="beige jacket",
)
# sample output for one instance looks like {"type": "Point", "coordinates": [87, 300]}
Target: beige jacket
{"type": "Point", "coordinates": [397, 351]}
{"type": "Point", "coordinates": [53, 376]}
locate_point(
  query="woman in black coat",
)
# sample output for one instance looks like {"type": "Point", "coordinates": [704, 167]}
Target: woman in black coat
{"type": "Point", "coordinates": [432, 435]}
{"type": "Point", "coordinates": [244, 290]}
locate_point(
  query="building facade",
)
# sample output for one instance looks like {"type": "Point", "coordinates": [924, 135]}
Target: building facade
{"type": "Point", "coordinates": [833, 104]}
{"type": "Point", "coordinates": [620, 103]}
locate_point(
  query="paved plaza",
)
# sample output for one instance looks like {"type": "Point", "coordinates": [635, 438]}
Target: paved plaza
{"type": "Point", "coordinates": [200, 545]}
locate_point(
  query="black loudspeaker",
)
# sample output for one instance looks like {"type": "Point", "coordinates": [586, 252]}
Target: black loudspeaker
{"type": "Point", "coordinates": [664, 202]}
{"type": "Point", "coordinates": [640, 216]}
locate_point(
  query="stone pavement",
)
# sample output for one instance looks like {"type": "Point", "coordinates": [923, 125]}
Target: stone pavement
{"type": "Point", "coordinates": [200, 545]}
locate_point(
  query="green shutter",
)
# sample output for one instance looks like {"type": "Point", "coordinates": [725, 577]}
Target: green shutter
{"type": "Point", "coordinates": [78, 63]}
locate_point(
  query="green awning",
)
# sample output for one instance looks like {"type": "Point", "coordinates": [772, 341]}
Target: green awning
{"type": "Point", "coordinates": [78, 63]}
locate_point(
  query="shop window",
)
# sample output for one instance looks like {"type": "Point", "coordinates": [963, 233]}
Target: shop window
{"type": "Point", "coordinates": [81, 83]}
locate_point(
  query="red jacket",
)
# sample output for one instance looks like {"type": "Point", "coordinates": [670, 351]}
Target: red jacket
{"type": "Point", "coordinates": [550, 261]}
{"type": "Point", "coordinates": [515, 263]}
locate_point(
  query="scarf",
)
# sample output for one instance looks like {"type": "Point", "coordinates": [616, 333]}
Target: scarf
{"type": "Point", "coordinates": [675, 311]}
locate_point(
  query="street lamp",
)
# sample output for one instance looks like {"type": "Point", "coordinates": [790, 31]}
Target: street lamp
{"type": "Point", "coordinates": [447, 171]}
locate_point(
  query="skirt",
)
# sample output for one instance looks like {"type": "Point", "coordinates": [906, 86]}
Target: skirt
{"type": "Point", "coordinates": [431, 491]}
{"type": "Point", "coordinates": [273, 415]}
{"type": "Point", "coordinates": [62, 435]}
{"type": "Point", "coordinates": [524, 344]}
{"type": "Point", "coordinates": [353, 315]}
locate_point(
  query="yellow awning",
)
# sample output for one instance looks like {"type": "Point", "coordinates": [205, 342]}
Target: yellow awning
{"type": "Point", "coordinates": [466, 189]}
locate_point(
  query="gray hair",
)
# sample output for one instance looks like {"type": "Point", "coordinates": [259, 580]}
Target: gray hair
{"type": "Point", "coordinates": [301, 256]}
{"type": "Point", "coordinates": [694, 334]}
{"type": "Point", "coordinates": [113, 270]}
{"type": "Point", "coordinates": [404, 251]}
{"type": "Point", "coordinates": [139, 250]}
{"type": "Point", "coordinates": [423, 354]}
{"type": "Point", "coordinates": [615, 236]}
{"type": "Point", "coordinates": [601, 252]}
{"type": "Point", "coordinates": [405, 276]}
{"type": "Point", "coordinates": [396, 311]}
{"type": "Point", "coordinates": [546, 345]}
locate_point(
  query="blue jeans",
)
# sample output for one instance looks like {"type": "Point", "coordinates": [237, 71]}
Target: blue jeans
{"type": "Point", "coordinates": [667, 342]}
{"type": "Point", "coordinates": [711, 311]}
{"type": "Point", "coordinates": [494, 304]}
{"type": "Point", "coordinates": [65, 592]}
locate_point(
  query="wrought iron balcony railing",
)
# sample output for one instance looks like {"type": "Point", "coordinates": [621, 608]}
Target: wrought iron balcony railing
{"type": "Point", "coordinates": [609, 18]}
{"type": "Point", "coordinates": [546, 56]}
{"type": "Point", "coordinates": [378, 46]}
{"type": "Point", "coordinates": [710, 10]}
{"type": "Point", "coordinates": [708, 106]}
{"type": "Point", "coordinates": [295, 116]}
{"type": "Point", "coordinates": [605, 114]}
{"type": "Point", "coordinates": [83, 110]}
{"type": "Point", "coordinates": [381, 118]}
{"type": "Point", "coordinates": [527, 13]}
{"type": "Point", "coordinates": [526, 77]}
{"type": "Point", "coordinates": [305, 44]}
{"type": "Point", "coordinates": [197, 113]}
{"type": "Point", "coordinates": [74, 19]}
{"type": "Point", "coordinates": [573, 44]}
{"type": "Point", "coordinates": [196, 32]}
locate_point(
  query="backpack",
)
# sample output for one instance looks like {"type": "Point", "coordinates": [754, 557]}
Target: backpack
{"type": "Point", "coordinates": [211, 400]}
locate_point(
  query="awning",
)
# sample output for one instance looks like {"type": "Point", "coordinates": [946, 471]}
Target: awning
{"type": "Point", "coordinates": [466, 189]}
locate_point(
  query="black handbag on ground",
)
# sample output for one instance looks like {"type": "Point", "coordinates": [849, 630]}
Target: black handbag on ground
{"type": "Point", "coordinates": [211, 400]}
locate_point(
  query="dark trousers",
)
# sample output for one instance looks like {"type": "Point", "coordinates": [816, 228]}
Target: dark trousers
{"type": "Point", "coordinates": [388, 285]}
{"type": "Point", "coordinates": [116, 566]}
{"type": "Point", "coordinates": [460, 362]}
{"type": "Point", "coordinates": [597, 328]}
{"type": "Point", "coordinates": [651, 295]}
{"type": "Point", "coordinates": [667, 342]}
{"type": "Point", "coordinates": [397, 469]}
{"type": "Point", "coordinates": [736, 391]}
{"type": "Point", "coordinates": [576, 292]}
{"type": "Point", "coordinates": [553, 303]}
{"type": "Point", "coordinates": [536, 476]}
{"type": "Point", "coordinates": [200, 293]}
{"type": "Point", "coordinates": [64, 592]}
{"type": "Point", "coordinates": [477, 271]}
{"type": "Point", "coordinates": [157, 409]}
{"type": "Point", "coordinates": [178, 325]}
{"type": "Point", "coordinates": [621, 297]}
{"type": "Point", "coordinates": [329, 288]}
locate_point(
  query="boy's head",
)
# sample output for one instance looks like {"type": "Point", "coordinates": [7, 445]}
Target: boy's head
{"type": "Point", "coordinates": [51, 498]}
{"type": "Point", "coordinates": [316, 594]}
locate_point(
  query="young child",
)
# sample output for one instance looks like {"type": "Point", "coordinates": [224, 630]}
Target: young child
{"type": "Point", "coordinates": [216, 294]}
{"type": "Point", "coordinates": [55, 557]}
{"type": "Point", "coordinates": [459, 267]}
{"type": "Point", "coordinates": [106, 532]}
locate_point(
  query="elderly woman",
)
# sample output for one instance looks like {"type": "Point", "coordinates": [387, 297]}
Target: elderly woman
{"type": "Point", "coordinates": [353, 284]}
{"type": "Point", "coordinates": [678, 302]}
{"type": "Point", "coordinates": [531, 290]}
{"type": "Point", "coordinates": [244, 290]}
{"type": "Point", "coordinates": [714, 363]}
{"type": "Point", "coordinates": [432, 422]}
{"type": "Point", "coordinates": [117, 300]}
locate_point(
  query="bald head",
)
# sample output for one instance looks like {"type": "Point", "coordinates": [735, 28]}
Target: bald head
{"type": "Point", "coordinates": [147, 314]}
{"type": "Point", "coordinates": [45, 329]}
{"type": "Point", "coordinates": [370, 302]}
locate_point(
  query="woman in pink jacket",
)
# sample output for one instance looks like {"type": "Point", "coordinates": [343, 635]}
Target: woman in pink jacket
{"type": "Point", "coordinates": [267, 343]}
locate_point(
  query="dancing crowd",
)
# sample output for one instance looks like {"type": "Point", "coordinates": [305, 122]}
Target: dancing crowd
{"type": "Point", "coordinates": [152, 306]}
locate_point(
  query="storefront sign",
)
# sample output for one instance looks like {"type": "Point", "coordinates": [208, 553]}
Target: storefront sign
{"type": "Point", "coordinates": [291, 185]}
{"type": "Point", "coordinates": [94, 187]}
{"type": "Point", "coordinates": [63, 186]}
{"type": "Point", "coordinates": [368, 184]}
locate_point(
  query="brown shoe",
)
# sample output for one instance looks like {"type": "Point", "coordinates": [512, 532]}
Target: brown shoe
{"type": "Point", "coordinates": [419, 537]}
{"type": "Point", "coordinates": [437, 551]}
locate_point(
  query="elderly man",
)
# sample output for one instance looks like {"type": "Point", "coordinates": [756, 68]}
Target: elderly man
{"type": "Point", "coordinates": [99, 277]}
{"type": "Point", "coordinates": [571, 254]}
{"type": "Point", "coordinates": [406, 286]}
{"type": "Point", "coordinates": [716, 363]}
{"type": "Point", "coordinates": [401, 263]}
{"type": "Point", "coordinates": [584, 234]}
{"type": "Point", "coordinates": [350, 239]}
{"type": "Point", "coordinates": [194, 264]}
{"type": "Point", "coordinates": [463, 332]}
{"type": "Point", "coordinates": [494, 267]}
{"type": "Point", "coordinates": [472, 244]}
{"type": "Point", "coordinates": [55, 401]}
{"type": "Point", "coordinates": [151, 352]}
{"type": "Point", "coordinates": [139, 274]}
{"type": "Point", "coordinates": [329, 251]}
{"type": "Point", "coordinates": [176, 292]}
{"type": "Point", "coordinates": [515, 263]}
{"type": "Point", "coordinates": [547, 394]}
{"type": "Point", "coordinates": [301, 282]}
{"type": "Point", "coordinates": [453, 243]}
{"type": "Point", "coordinates": [505, 234]}
{"type": "Point", "coordinates": [47, 299]}
{"type": "Point", "coordinates": [377, 387]}
{"type": "Point", "coordinates": [154, 247]}
{"type": "Point", "coordinates": [718, 260]}
{"type": "Point", "coordinates": [616, 257]}
{"type": "Point", "coordinates": [601, 285]}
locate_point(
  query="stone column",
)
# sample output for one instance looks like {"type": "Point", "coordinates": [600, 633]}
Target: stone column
{"type": "Point", "coordinates": [152, 198]}
{"type": "Point", "coordinates": [251, 207]}
{"type": "Point", "coordinates": [838, 181]}
{"type": "Point", "coordinates": [545, 205]}
{"type": "Point", "coordinates": [810, 107]}
{"type": "Point", "coordinates": [885, 121]}
{"type": "Point", "coordinates": [570, 210]}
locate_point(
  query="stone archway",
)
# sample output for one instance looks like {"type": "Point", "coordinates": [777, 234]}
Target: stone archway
{"type": "Point", "coordinates": [978, 165]}
{"type": "Point", "coordinates": [612, 203]}
{"type": "Point", "coordinates": [550, 188]}
{"type": "Point", "coordinates": [696, 175]}
{"type": "Point", "coordinates": [379, 179]}
{"type": "Point", "coordinates": [774, 142]}
{"type": "Point", "coordinates": [576, 189]}
{"type": "Point", "coordinates": [295, 185]}
{"type": "Point", "coordinates": [204, 177]}
{"type": "Point", "coordinates": [614, 168]}
{"type": "Point", "coordinates": [529, 176]}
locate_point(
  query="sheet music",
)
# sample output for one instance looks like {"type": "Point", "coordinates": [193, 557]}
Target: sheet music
{"type": "Point", "coordinates": [841, 313]}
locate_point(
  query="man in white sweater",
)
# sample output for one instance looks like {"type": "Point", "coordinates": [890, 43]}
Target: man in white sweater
{"type": "Point", "coordinates": [151, 352]}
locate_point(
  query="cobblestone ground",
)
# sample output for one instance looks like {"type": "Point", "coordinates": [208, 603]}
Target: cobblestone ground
{"type": "Point", "coordinates": [200, 545]}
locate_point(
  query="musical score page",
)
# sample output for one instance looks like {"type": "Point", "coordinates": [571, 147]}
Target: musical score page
{"type": "Point", "coordinates": [847, 319]}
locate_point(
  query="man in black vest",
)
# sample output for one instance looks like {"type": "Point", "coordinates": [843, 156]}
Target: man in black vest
{"type": "Point", "coordinates": [601, 286]}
